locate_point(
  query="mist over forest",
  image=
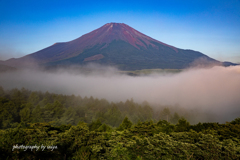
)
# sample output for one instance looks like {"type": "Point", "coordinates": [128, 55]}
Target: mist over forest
{"type": "Point", "coordinates": [214, 90]}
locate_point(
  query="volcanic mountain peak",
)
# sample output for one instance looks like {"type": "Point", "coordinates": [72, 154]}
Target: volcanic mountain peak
{"type": "Point", "coordinates": [115, 44]}
{"type": "Point", "coordinates": [118, 31]}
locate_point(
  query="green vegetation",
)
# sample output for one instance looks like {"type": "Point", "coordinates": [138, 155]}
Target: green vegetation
{"type": "Point", "coordinates": [72, 127]}
{"type": "Point", "coordinates": [151, 71]}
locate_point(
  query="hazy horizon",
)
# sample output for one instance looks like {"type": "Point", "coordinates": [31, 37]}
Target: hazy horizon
{"type": "Point", "coordinates": [215, 89]}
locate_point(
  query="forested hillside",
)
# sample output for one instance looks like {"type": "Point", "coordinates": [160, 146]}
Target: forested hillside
{"type": "Point", "coordinates": [73, 127]}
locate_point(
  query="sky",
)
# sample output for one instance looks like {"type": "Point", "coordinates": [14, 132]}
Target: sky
{"type": "Point", "coordinates": [209, 26]}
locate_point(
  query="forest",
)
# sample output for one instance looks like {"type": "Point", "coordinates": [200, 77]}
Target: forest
{"type": "Point", "coordinates": [43, 125]}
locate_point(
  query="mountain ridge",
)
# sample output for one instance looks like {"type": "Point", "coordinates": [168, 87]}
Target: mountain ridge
{"type": "Point", "coordinates": [115, 44]}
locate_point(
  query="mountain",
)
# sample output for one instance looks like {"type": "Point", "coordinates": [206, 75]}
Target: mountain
{"type": "Point", "coordinates": [115, 44]}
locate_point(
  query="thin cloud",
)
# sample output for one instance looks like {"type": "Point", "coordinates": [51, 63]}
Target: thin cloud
{"type": "Point", "coordinates": [215, 89]}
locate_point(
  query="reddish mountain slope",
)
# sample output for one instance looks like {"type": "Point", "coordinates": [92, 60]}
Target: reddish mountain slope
{"type": "Point", "coordinates": [113, 44]}
{"type": "Point", "coordinates": [116, 31]}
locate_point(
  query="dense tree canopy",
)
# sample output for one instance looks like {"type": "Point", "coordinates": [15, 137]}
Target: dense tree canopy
{"type": "Point", "coordinates": [72, 127]}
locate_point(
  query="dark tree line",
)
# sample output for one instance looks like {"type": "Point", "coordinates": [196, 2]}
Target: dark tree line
{"type": "Point", "coordinates": [26, 106]}
{"type": "Point", "coordinates": [89, 128]}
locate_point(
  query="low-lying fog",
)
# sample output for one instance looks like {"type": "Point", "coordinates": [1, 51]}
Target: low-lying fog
{"type": "Point", "coordinates": [215, 89]}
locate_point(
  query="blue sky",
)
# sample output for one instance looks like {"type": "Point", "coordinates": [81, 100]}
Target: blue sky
{"type": "Point", "coordinates": [209, 26]}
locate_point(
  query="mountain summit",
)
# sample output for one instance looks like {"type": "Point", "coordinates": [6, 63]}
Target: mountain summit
{"type": "Point", "coordinates": [115, 44]}
{"type": "Point", "coordinates": [117, 31]}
